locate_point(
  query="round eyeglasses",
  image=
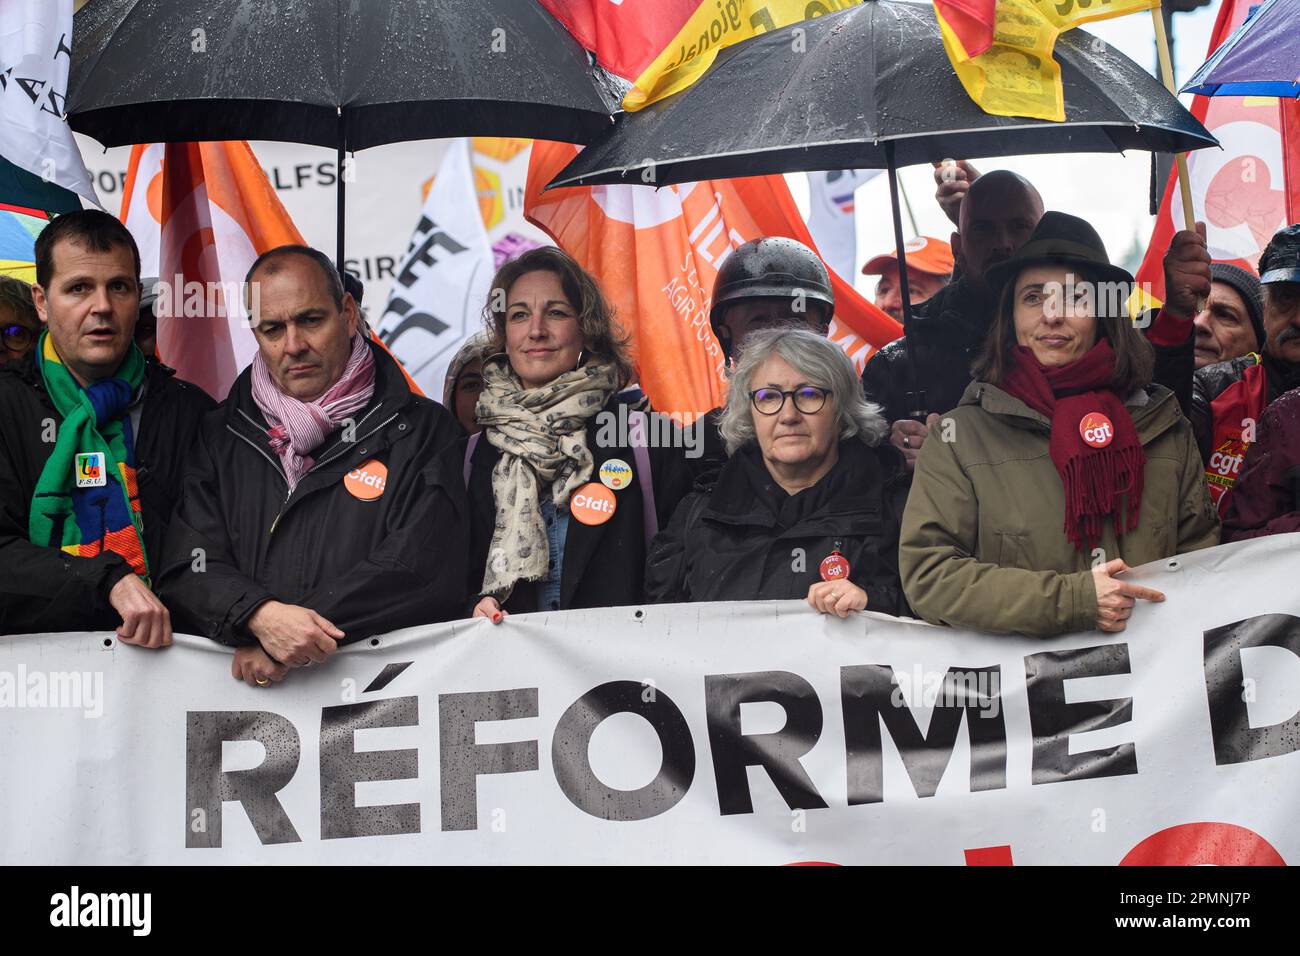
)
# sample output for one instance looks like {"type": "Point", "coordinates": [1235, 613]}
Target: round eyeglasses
{"type": "Point", "coordinates": [808, 399]}
{"type": "Point", "coordinates": [16, 337]}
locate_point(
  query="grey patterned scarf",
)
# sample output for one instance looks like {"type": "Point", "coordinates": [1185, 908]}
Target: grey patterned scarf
{"type": "Point", "coordinates": [542, 436]}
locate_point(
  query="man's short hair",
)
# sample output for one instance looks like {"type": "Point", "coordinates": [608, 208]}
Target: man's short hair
{"type": "Point", "coordinates": [92, 228]}
{"type": "Point", "coordinates": [269, 261]}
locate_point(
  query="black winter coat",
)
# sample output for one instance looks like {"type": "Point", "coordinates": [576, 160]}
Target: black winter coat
{"type": "Point", "coordinates": [750, 540]}
{"type": "Point", "coordinates": [604, 564]}
{"type": "Point", "coordinates": [42, 588]}
{"type": "Point", "coordinates": [367, 566]}
{"type": "Point", "coordinates": [948, 332]}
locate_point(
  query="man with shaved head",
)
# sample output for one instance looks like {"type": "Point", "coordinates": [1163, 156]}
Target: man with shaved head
{"type": "Point", "coordinates": [998, 212]}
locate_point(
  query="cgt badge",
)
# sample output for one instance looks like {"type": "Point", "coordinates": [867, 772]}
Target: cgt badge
{"type": "Point", "coordinates": [1096, 429]}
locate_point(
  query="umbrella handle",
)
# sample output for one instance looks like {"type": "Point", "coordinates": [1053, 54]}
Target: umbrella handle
{"type": "Point", "coordinates": [915, 396]}
{"type": "Point", "coordinates": [340, 195]}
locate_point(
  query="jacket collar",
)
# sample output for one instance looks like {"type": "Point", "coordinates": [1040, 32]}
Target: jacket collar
{"type": "Point", "coordinates": [155, 373]}
{"type": "Point", "coordinates": [745, 493]}
{"type": "Point", "coordinates": [391, 395]}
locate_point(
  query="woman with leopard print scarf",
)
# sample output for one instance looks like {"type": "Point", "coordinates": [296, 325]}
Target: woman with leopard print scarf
{"type": "Point", "coordinates": [561, 513]}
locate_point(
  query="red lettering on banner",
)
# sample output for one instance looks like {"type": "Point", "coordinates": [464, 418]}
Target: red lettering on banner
{"type": "Point", "coordinates": [989, 856]}
{"type": "Point", "coordinates": [1204, 844]}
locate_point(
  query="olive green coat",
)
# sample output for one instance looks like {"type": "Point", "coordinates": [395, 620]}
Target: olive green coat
{"type": "Point", "coordinates": [983, 544]}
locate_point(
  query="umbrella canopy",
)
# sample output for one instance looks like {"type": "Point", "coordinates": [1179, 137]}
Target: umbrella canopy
{"type": "Point", "coordinates": [856, 84]}
{"type": "Point", "coordinates": [1260, 58]}
{"type": "Point", "coordinates": [348, 74]}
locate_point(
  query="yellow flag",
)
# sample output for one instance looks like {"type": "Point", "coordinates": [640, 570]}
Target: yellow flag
{"type": "Point", "coordinates": [1017, 75]}
{"type": "Point", "coordinates": [713, 27]}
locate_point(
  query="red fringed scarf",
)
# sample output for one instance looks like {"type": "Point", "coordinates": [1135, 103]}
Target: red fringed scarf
{"type": "Point", "coordinates": [1101, 467]}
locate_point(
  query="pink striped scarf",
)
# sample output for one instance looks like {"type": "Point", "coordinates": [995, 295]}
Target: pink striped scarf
{"type": "Point", "coordinates": [299, 428]}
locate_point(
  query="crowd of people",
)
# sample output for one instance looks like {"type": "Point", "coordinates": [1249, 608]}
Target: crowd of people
{"type": "Point", "coordinates": [999, 467]}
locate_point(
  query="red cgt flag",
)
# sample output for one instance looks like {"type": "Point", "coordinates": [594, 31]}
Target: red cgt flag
{"type": "Point", "coordinates": [1243, 192]}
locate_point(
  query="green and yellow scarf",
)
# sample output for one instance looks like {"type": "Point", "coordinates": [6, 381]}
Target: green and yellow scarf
{"type": "Point", "coordinates": [86, 500]}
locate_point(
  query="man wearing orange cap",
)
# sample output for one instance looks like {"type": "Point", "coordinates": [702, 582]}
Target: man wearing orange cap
{"type": "Point", "coordinates": [929, 269]}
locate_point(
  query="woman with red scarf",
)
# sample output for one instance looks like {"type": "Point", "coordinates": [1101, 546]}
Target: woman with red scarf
{"type": "Point", "coordinates": [1062, 467]}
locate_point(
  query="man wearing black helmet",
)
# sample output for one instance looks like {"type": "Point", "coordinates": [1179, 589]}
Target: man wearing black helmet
{"type": "Point", "coordinates": [767, 282]}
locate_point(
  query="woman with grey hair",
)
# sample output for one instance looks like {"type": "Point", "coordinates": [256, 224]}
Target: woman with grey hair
{"type": "Point", "coordinates": [809, 503]}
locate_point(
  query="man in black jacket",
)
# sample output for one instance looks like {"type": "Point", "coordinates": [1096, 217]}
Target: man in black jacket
{"type": "Point", "coordinates": [999, 211]}
{"type": "Point", "coordinates": [87, 294]}
{"type": "Point", "coordinates": [324, 504]}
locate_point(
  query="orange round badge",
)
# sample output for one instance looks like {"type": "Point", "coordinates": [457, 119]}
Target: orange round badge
{"type": "Point", "coordinates": [593, 503]}
{"type": "Point", "coordinates": [1096, 430]}
{"type": "Point", "coordinates": [367, 481]}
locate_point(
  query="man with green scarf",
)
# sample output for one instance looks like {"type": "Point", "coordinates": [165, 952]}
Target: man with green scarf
{"type": "Point", "coordinates": [93, 443]}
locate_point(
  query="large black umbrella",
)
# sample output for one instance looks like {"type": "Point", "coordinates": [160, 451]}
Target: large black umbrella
{"type": "Point", "coordinates": [348, 74]}
{"type": "Point", "coordinates": [871, 87]}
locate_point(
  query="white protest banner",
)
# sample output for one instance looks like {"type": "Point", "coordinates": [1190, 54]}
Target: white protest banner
{"type": "Point", "coordinates": [756, 733]}
{"type": "Point", "coordinates": [35, 52]}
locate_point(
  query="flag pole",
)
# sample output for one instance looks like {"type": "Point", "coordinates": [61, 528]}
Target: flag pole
{"type": "Point", "coordinates": [1167, 76]}
{"type": "Point", "coordinates": [1180, 159]}
{"type": "Point", "coordinates": [907, 205]}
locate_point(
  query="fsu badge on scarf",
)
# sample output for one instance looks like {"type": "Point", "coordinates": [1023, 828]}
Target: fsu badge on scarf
{"type": "Point", "coordinates": [835, 567]}
{"type": "Point", "coordinates": [90, 470]}
{"type": "Point", "coordinates": [1096, 429]}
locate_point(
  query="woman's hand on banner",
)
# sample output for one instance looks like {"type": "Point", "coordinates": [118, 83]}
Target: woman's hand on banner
{"type": "Point", "coordinates": [489, 608]}
{"type": "Point", "coordinates": [1116, 599]}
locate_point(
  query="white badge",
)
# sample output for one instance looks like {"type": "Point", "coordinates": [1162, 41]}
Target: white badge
{"type": "Point", "coordinates": [90, 470]}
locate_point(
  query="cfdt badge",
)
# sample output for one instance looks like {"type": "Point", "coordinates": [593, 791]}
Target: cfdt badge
{"type": "Point", "coordinates": [90, 470]}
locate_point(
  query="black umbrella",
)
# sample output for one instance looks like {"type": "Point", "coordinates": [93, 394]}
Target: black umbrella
{"type": "Point", "coordinates": [348, 74]}
{"type": "Point", "coordinates": [871, 87]}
